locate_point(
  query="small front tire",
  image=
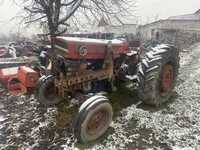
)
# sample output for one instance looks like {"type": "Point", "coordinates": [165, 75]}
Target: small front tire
{"type": "Point", "coordinates": [47, 92]}
{"type": "Point", "coordinates": [93, 119]}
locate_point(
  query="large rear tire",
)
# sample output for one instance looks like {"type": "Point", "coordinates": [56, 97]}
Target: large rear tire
{"type": "Point", "coordinates": [157, 74]}
{"type": "Point", "coordinates": [46, 93]}
{"type": "Point", "coordinates": [93, 119]}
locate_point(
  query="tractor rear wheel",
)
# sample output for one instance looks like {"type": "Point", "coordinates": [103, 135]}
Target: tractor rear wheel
{"type": "Point", "coordinates": [93, 119]}
{"type": "Point", "coordinates": [157, 74]}
{"type": "Point", "coordinates": [46, 91]}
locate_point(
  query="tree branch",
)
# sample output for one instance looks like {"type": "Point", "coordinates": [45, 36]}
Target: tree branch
{"type": "Point", "coordinates": [74, 7]}
{"type": "Point", "coordinates": [35, 20]}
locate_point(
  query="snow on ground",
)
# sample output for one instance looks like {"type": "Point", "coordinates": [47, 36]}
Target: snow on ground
{"type": "Point", "coordinates": [25, 125]}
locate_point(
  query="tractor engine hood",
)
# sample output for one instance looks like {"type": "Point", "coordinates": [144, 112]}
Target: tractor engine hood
{"type": "Point", "coordinates": [79, 48]}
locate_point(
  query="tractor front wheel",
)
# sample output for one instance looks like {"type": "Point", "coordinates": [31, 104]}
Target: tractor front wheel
{"type": "Point", "coordinates": [47, 92]}
{"type": "Point", "coordinates": [93, 119]}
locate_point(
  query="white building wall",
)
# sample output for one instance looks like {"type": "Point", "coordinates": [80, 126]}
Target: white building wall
{"type": "Point", "coordinates": [127, 28]}
{"type": "Point", "coordinates": [185, 25]}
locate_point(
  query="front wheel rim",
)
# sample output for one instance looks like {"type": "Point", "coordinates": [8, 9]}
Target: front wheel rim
{"type": "Point", "coordinates": [97, 122]}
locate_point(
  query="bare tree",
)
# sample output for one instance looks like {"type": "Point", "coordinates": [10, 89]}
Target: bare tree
{"type": "Point", "coordinates": [58, 15]}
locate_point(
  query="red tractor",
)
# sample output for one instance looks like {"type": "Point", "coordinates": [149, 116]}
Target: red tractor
{"type": "Point", "coordinates": [84, 66]}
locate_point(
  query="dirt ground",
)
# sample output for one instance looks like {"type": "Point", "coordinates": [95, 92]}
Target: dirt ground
{"type": "Point", "coordinates": [25, 125]}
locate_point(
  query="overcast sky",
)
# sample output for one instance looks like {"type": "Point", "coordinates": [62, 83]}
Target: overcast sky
{"type": "Point", "coordinates": [147, 10]}
{"type": "Point", "coordinates": [161, 9]}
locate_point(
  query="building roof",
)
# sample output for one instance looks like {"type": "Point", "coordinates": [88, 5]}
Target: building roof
{"type": "Point", "coordinates": [197, 12]}
{"type": "Point", "coordinates": [188, 17]}
{"type": "Point", "coordinates": [194, 16]}
{"type": "Point", "coordinates": [103, 22]}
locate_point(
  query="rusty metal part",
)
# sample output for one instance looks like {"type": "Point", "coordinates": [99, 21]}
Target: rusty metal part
{"type": "Point", "coordinates": [15, 87]}
{"type": "Point", "coordinates": [96, 122]}
{"type": "Point", "coordinates": [76, 81]}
